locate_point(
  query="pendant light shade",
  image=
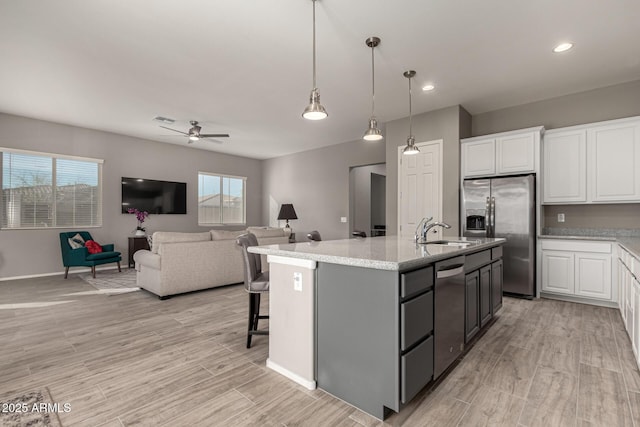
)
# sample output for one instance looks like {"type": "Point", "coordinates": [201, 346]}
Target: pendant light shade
{"type": "Point", "coordinates": [373, 133]}
{"type": "Point", "coordinates": [410, 148]}
{"type": "Point", "coordinates": [315, 110]}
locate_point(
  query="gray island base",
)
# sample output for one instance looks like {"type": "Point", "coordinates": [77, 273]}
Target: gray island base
{"type": "Point", "coordinates": [373, 321]}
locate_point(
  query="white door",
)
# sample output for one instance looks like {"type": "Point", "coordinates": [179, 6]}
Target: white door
{"type": "Point", "coordinates": [558, 272]}
{"type": "Point", "coordinates": [420, 188]}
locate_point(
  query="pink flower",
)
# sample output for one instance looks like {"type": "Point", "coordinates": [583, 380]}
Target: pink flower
{"type": "Point", "coordinates": [140, 216]}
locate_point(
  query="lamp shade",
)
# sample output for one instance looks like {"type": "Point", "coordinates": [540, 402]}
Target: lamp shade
{"type": "Point", "coordinates": [287, 212]}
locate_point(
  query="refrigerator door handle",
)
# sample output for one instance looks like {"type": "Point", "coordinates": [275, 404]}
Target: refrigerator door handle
{"type": "Point", "coordinates": [493, 217]}
{"type": "Point", "coordinates": [487, 219]}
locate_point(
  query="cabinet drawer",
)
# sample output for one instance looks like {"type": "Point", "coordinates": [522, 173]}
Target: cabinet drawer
{"type": "Point", "coordinates": [496, 252]}
{"type": "Point", "coordinates": [575, 246]}
{"type": "Point", "coordinates": [416, 281]}
{"type": "Point", "coordinates": [417, 370]}
{"type": "Point", "coordinates": [474, 261]}
{"type": "Point", "coordinates": [416, 319]}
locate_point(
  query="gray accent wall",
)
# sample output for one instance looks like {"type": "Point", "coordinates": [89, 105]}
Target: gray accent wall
{"type": "Point", "coordinates": [316, 182]}
{"type": "Point", "coordinates": [611, 102]}
{"type": "Point", "coordinates": [35, 252]}
{"type": "Point", "coordinates": [442, 124]}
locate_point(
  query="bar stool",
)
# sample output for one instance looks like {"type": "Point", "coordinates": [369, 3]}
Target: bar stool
{"type": "Point", "coordinates": [256, 282]}
{"type": "Point", "coordinates": [314, 236]}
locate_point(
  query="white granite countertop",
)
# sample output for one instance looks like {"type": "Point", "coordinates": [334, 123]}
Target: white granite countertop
{"type": "Point", "coordinates": [382, 253]}
{"type": "Point", "coordinates": [631, 244]}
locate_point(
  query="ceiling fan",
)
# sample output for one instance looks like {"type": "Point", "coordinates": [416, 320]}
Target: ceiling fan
{"type": "Point", "coordinates": [194, 133]}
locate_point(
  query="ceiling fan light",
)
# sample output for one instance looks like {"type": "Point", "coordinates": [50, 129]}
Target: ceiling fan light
{"type": "Point", "coordinates": [315, 110]}
{"type": "Point", "coordinates": [194, 137]}
{"type": "Point", "coordinates": [373, 133]}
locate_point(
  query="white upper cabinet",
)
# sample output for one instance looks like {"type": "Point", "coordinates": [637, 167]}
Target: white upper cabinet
{"type": "Point", "coordinates": [614, 152]}
{"type": "Point", "coordinates": [594, 163]}
{"type": "Point", "coordinates": [564, 166]}
{"type": "Point", "coordinates": [516, 153]}
{"type": "Point", "coordinates": [479, 158]}
{"type": "Point", "coordinates": [504, 153]}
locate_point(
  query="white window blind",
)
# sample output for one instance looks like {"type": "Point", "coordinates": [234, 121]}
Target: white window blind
{"type": "Point", "coordinates": [42, 190]}
{"type": "Point", "coordinates": [221, 199]}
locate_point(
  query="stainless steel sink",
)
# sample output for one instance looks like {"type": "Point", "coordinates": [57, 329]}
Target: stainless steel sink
{"type": "Point", "coordinates": [451, 242]}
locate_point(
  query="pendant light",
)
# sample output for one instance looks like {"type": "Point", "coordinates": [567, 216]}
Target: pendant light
{"type": "Point", "coordinates": [373, 133]}
{"type": "Point", "coordinates": [315, 110]}
{"type": "Point", "coordinates": [411, 148]}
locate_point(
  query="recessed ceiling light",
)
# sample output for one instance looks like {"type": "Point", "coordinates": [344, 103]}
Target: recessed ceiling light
{"type": "Point", "coordinates": [428, 88]}
{"type": "Point", "coordinates": [562, 47]}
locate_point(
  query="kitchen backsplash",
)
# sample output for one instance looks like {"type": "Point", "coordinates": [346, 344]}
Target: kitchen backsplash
{"type": "Point", "coordinates": [594, 217]}
{"type": "Point", "coordinates": [591, 232]}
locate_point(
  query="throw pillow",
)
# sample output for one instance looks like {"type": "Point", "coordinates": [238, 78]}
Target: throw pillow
{"type": "Point", "coordinates": [93, 247]}
{"type": "Point", "coordinates": [76, 241]}
{"type": "Point", "coordinates": [150, 241]}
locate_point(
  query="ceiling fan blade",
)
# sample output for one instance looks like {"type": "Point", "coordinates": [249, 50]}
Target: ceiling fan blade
{"type": "Point", "coordinates": [175, 130]}
{"type": "Point", "coordinates": [214, 135]}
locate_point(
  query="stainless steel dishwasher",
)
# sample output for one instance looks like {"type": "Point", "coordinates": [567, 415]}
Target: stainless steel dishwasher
{"type": "Point", "coordinates": [448, 313]}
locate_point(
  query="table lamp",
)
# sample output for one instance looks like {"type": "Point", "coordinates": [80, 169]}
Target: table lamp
{"type": "Point", "coordinates": [287, 212]}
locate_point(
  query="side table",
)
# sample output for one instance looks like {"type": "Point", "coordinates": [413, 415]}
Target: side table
{"type": "Point", "coordinates": [135, 244]}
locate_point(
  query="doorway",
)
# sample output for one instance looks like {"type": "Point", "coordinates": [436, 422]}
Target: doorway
{"type": "Point", "coordinates": [367, 199]}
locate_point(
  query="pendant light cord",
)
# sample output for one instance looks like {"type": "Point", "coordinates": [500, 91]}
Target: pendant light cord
{"type": "Point", "coordinates": [373, 84]}
{"type": "Point", "coordinates": [314, 45]}
{"type": "Point", "coordinates": [410, 114]}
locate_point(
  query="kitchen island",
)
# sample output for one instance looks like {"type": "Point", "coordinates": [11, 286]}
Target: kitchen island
{"type": "Point", "coordinates": [373, 320]}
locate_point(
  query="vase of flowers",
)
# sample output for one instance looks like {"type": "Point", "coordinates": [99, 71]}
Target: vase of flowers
{"type": "Point", "coordinates": [140, 216]}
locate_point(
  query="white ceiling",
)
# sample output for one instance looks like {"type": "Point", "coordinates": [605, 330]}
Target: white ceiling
{"type": "Point", "coordinates": [244, 67]}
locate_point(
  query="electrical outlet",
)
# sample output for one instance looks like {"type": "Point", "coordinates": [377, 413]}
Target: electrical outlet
{"type": "Point", "coordinates": [343, 219]}
{"type": "Point", "coordinates": [560, 217]}
{"type": "Point", "coordinates": [297, 282]}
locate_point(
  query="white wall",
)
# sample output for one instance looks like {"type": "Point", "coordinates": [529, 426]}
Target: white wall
{"type": "Point", "coordinates": [33, 252]}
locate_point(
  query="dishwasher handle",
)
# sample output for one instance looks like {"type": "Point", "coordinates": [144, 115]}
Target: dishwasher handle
{"type": "Point", "coordinates": [452, 270]}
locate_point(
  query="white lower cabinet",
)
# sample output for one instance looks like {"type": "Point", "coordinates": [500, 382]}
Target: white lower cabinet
{"type": "Point", "coordinates": [629, 289]}
{"type": "Point", "coordinates": [557, 271]}
{"type": "Point", "coordinates": [577, 268]}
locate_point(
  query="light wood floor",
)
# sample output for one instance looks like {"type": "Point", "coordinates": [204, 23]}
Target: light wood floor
{"type": "Point", "coordinates": [132, 359]}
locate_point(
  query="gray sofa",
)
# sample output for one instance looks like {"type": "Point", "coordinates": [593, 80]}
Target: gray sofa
{"type": "Point", "coordinates": [185, 262]}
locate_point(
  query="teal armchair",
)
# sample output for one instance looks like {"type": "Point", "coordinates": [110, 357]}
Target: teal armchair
{"type": "Point", "coordinates": [81, 257]}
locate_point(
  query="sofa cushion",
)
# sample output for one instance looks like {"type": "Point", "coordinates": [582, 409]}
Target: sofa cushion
{"type": "Point", "coordinates": [160, 237]}
{"type": "Point", "coordinates": [76, 241]}
{"type": "Point", "coordinates": [103, 255]}
{"type": "Point", "coordinates": [93, 247]}
{"type": "Point", "coordinates": [269, 231]}
{"type": "Point", "coordinates": [226, 234]}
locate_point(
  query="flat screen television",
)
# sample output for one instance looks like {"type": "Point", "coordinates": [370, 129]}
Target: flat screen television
{"type": "Point", "coordinates": [155, 197]}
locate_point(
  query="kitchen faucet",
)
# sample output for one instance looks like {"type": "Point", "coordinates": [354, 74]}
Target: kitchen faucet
{"type": "Point", "coordinates": [424, 223]}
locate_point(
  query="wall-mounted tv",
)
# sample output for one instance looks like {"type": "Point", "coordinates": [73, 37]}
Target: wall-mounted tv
{"type": "Point", "coordinates": [155, 197]}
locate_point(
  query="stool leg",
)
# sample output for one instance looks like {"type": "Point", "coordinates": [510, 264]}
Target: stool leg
{"type": "Point", "coordinates": [257, 312]}
{"type": "Point", "coordinates": [251, 321]}
{"type": "Point", "coordinates": [66, 272]}
{"type": "Point", "coordinates": [119, 269]}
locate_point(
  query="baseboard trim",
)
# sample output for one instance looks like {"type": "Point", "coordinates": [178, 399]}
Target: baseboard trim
{"type": "Point", "coordinates": [61, 273]}
{"type": "Point", "coordinates": [309, 385]}
{"type": "Point", "coordinates": [571, 298]}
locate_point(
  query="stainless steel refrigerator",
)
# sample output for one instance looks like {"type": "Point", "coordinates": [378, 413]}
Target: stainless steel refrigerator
{"type": "Point", "coordinates": [505, 207]}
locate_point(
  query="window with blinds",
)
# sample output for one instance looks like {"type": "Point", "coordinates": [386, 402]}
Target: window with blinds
{"type": "Point", "coordinates": [221, 199]}
{"type": "Point", "coordinates": [42, 190]}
